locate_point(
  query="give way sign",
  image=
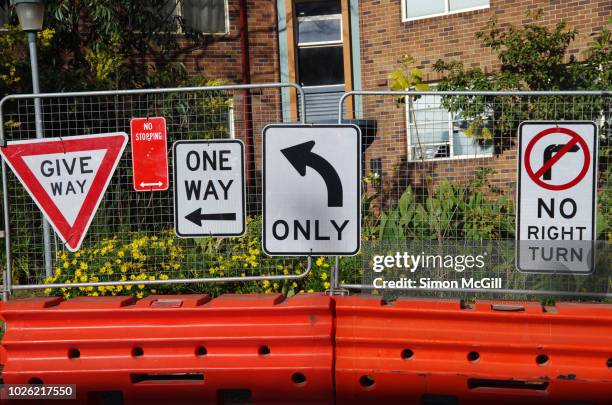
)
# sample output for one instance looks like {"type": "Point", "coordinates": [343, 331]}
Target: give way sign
{"type": "Point", "coordinates": [66, 177]}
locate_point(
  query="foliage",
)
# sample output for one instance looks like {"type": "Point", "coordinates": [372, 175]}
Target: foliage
{"type": "Point", "coordinates": [406, 76]}
{"type": "Point", "coordinates": [100, 44]}
{"type": "Point", "coordinates": [14, 60]}
{"type": "Point", "coordinates": [160, 257]}
{"type": "Point", "coordinates": [531, 57]}
{"type": "Point", "coordinates": [452, 211]}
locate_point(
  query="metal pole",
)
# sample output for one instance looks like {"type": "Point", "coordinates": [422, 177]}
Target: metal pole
{"type": "Point", "coordinates": [39, 134]}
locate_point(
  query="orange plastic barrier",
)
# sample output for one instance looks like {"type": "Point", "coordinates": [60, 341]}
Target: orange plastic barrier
{"type": "Point", "coordinates": [442, 352]}
{"type": "Point", "coordinates": [174, 349]}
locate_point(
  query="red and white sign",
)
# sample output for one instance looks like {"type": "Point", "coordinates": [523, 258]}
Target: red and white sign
{"type": "Point", "coordinates": [149, 154]}
{"type": "Point", "coordinates": [556, 193]}
{"type": "Point", "coordinates": [66, 177]}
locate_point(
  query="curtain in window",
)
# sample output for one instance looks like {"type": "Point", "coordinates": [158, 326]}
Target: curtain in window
{"type": "Point", "coordinates": [206, 16]}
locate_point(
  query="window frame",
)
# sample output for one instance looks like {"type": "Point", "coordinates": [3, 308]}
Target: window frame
{"type": "Point", "coordinates": [321, 44]}
{"type": "Point", "coordinates": [447, 11]}
{"type": "Point", "coordinates": [450, 142]}
{"type": "Point", "coordinates": [178, 12]}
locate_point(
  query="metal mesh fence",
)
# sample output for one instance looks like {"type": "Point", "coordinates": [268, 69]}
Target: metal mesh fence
{"type": "Point", "coordinates": [131, 237]}
{"type": "Point", "coordinates": [440, 172]}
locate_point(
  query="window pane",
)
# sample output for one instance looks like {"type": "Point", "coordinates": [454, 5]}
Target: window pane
{"type": "Point", "coordinates": [321, 66]}
{"type": "Point", "coordinates": [429, 133]}
{"type": "Point", "coordinates": [206, 16]}
{"type": "Point", "coordinates": [420, 8]}
{"type": "Point", "coordinates": [466, 146]}
{"type": "Point", "coordinates": [308, 8]}
{"type": "Point", "coordinates": [463, 4]}
{"type": "Point", "coordinates": [4, 16]}
{"type": "Point", "coordinates": [321, 30]}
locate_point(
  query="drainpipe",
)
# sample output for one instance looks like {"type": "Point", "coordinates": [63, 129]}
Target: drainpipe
{"type": "Point", "coordinates": [246, 79]}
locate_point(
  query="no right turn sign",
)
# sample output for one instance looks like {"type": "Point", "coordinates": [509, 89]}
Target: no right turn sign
{"type": "Point", "coordinates": [557, 179]}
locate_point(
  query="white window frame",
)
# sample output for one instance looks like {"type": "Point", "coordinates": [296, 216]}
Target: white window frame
{"type": "Point", "coordinates": [447, 11]}
{"type": "Point", "coordinates": [321, 18]}
{"type": "Point", "coordinates": [450, 142]}
{"type": "Point", "coordinates": [178, 12]}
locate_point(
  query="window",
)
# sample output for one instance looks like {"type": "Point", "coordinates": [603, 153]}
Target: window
{"type": "Point", "coordinates": [4, 15]}
{"type": "Point", "coordinates": [319, 42]}
{"type": "Point", "coordinates": [417, 9]}
{"type": "Point", "coordinates": [435, 133]}
{"type": "Point", "coordinates": [205, 16]}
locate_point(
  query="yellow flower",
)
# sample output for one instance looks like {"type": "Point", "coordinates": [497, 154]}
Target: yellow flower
{"type": "Point", "coordinates": [77, 273]}
{"type": "Point", "coordinates": [266, 284]}
{"type": "Point", "coordinates": [66, 265]}
{"type": "Point", "coordinates": [323, 276]}
{"type": "Point", "coordinates": [121, 253]}
{"type": "Point", "coordinates": [139, 294]}
{"type": "Point", "coordinates": [319, 261]}
{"type": "Point", "coordinates": [310, 291]}
{"type": "Point", "coordinates": [326, 285]}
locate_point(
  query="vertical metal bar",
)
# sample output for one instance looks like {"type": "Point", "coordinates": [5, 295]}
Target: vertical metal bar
{"type": "Point", "coordinates": [7, 233]}
{"type": "Point", "coordinates": [39, 134]}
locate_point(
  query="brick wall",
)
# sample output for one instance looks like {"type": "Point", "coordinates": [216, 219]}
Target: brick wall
{"type": "Point", "coordinates": [385, 38]}
{"type": "Point", "coordinates": [220, 57]}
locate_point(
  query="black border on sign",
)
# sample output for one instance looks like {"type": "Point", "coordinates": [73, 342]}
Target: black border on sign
{"type": "Point", "coordinates": [358, 153]}
{"type": "Point", "coordinates": [175, 192]}
{"type": "Point", "coordinates": [594, 158]}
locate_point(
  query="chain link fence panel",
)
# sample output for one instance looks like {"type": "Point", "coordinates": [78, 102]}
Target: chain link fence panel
{"type": "Point", "coordinates": [131, 239]}
{"type": "Point", "coordinates": [440, 172]}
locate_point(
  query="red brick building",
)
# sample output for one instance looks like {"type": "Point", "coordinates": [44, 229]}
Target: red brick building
{"type": "Point", "coordinates": [333, 46]}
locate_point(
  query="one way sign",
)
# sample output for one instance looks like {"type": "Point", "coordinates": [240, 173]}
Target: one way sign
{"type": "Point", "coordinates": [311, 189]}
{"type": "Point", "coordinates": [209, 198]}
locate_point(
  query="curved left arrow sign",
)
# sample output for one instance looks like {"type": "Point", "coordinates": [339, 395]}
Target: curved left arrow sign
{"type": "Point", "coordinates": [301, 155]}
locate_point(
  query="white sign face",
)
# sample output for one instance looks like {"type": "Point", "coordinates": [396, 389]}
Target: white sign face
{"type": "Point", "coordinates": [556, 196]}
{"type": "Point", "coordinates": [209, 197]}
{"type": "Point", "coordinates": [312, 190]}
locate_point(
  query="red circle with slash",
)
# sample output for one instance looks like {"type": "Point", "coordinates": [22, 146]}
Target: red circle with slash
{"type": "Point", "coordinates": [575, 139]}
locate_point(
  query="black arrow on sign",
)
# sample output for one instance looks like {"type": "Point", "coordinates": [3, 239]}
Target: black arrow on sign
{"type": "Point", "coordinates": [301, 155]}
{"type": "Point", "coordinates": [197, 217]}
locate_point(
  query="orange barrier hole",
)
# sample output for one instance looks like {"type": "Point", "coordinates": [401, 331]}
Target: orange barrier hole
{"type": "Point", "coordinates": [74, 353]}
{"type": "Point", "coordinates": [542, 360]}
{"type": "Point", "coordinates": [609, 363]}
{"type": "Point", "coordinates": [201, 351]}
{"type": "Point", "coordinates": [367, 381]}
{"type": "Point", "coordinates": [264, 350]}
{"type": "Point", "coordinates": [298, 379]}
{"type": "Point", "coordinates": [473, 357]}
{"type": "Point", "coordinates": [35, 381]}
{"type": "Point", "coordinates": [137, 351]}
{"type": "Point", "coordinates": [407, 354]}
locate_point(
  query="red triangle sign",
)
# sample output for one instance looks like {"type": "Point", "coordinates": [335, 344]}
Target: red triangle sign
{"type": "Point", "coordinates": [66, 177]}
